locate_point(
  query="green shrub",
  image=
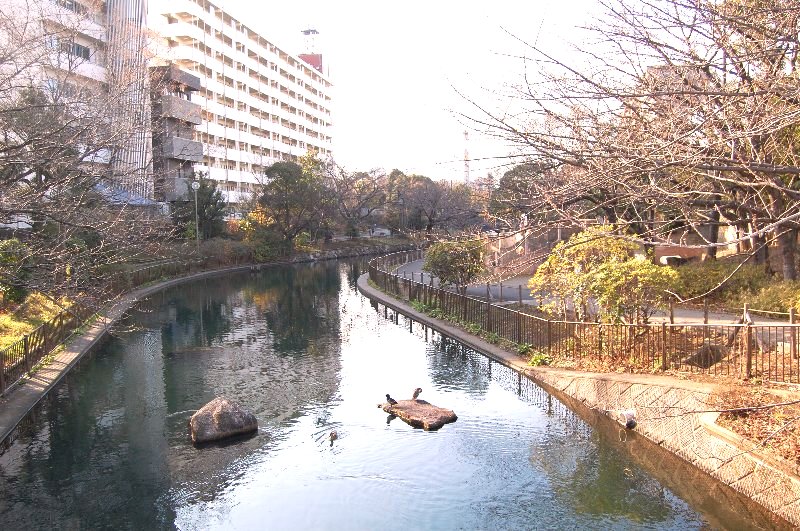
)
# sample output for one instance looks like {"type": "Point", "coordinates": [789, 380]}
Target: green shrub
{"type": "Point", "coordinates": [492, 338]}
{"type": "Point", "coordinates": [419, 306]}
{"type": "Point", "coordinates": [698, 278]}
{"type": "Point", "coordinates": [539, 357]}
{"type": "Point", "coordinates": [473, 328]}
{"type": "Point", "coordinates": [777, 296]}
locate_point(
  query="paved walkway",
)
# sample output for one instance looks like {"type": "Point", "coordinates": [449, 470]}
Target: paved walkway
{"type": "Point", "coordinates": [515, 289]}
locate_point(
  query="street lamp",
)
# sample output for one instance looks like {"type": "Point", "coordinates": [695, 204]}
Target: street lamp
{"type": "Point", "coordinates": [195, 187]}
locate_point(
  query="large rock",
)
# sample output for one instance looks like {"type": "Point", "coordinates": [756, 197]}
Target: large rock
{"type": "Point", "coordinates": [420, 414]}
{"type": "Point", "coordinates": [220, 419]}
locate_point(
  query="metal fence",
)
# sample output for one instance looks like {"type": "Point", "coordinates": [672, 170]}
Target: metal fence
{"type": "Point", "coordinates": [20, 357]}
{"type": "Point", "coordinates": [769, 352]}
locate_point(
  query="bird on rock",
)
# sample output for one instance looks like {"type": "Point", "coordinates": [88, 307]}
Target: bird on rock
{"type": "Point", "coordinates": [417, 391]}
{"type": "Point", "coordinates": [391, 400]}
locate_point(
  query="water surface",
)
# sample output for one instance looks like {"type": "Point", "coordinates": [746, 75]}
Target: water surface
{"type": "Point", "coordinates": [300, 348]}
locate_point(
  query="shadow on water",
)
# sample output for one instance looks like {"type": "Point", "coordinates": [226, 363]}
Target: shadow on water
{"type": "Point", "coordinates": [225, 443]}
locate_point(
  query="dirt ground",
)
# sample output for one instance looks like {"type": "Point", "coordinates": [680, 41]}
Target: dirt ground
{"type": "Point", "coordinates": [775, 429]}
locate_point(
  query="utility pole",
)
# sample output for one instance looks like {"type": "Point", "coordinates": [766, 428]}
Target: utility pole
{"type": "Point", "coordinates": [195, 187]}
{"type": "Point", "coordinates": [466, 158]}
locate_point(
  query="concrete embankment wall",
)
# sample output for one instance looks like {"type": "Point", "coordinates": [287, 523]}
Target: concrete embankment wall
{"type": "Point", "coordinates": [670, 412]}
{"type": "Point", "coordinates": [672, 417]}
{"type": "Point", "coordinates": [22, 397]}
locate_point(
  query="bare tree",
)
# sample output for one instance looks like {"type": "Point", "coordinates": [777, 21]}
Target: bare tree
{"type": "Point", "coordinates": [356, 195]}
{"type": "Point", "coordinates": [681, 116]}
{"type": "Point", "coordinates": [58, 135]}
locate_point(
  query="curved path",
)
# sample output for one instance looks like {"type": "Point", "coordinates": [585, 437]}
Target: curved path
{"type": "Point", "coordinates": [674, 414]}
{"type": "Point", "coordinates": [516, 288]}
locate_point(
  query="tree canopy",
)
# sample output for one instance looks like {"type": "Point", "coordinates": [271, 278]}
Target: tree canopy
{"type": "Point", "coordinates": [456, 263]}
{"type": "Point", "coordinates": [679, 119]}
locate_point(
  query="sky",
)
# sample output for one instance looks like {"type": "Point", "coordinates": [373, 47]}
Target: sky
{"type": "Point", "coordinates": [403, 71]}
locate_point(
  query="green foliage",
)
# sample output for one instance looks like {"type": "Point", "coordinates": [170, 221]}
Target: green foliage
{"type": "Point", "coordinates": [567, 274]}
{"type": "Point", "coordinates": [419, 306]}
{"type": "Point", "coordinates": [774, 297]}
{"type": "Point", "coordinates": [698, 278]}
{"type": "Point", "coordinates": [292, 199]}
{"type": "Point", "coordinates": [211, 211]}
{"type": "Point", "coordinates": [631, 289]}
{"type": "Point", "coordinates": [473, 328]}
{"type": "Point", "coordinates": [539, 357]}
{"type": "Point", "coordinates": [492, 338]}
{"type": "Point", "coordinates": [190, 231]}
{"type": "Point", "coordinates": [14, 261]}
{"type": "Point", "coordinates": [455, 263]}
{"type": "Point", "coordinates": [594, 265]}
{"type": "Point", "coordinates": [303, 241]}
{"type": "Point", "coordinates": [524, 348]}
{"type": "Point", "coordinates": [431, 310]}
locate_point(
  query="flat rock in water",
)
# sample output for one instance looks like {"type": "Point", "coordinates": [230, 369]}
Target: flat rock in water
{"type": "Point", "coordinates": [220, 419]}
{"type": "Point", "coordinates": [421, 414]}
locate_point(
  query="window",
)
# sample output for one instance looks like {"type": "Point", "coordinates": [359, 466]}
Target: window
{"type": "Point", "coordinates": [78, 50]}
{"type": "Point", "coordinates": [73, 6]}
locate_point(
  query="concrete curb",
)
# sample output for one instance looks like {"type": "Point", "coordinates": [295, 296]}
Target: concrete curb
{"type": "Point", "coordinates": [22, 397]}
{"type": "Point", "coordinates": [669, 412]}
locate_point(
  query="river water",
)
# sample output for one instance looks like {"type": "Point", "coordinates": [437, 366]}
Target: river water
{"type": "Point", "coordinates": [298, 346]}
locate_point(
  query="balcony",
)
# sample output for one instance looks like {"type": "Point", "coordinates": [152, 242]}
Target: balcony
{"type": "Point", "coordinates": [182, 149]}
{"type": "Point", "coordinates": [173, 73]}
{"type": "Point", "coordinates": [180, 109]}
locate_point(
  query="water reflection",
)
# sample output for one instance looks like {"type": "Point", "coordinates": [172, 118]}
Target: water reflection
{"type": "Point", "coordinates": [310, 357]}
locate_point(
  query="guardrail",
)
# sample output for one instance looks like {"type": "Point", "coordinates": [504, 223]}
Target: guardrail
{"type": "Point", "coordinates": [20, 357]}
{"type": "Point", "coordinates": [769, 352]}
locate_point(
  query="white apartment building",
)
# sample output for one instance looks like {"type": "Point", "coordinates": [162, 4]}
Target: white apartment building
{"type": "Point", "coordinates": [87, 56]}
{"type": "Point", "coordinates": [259, 104]}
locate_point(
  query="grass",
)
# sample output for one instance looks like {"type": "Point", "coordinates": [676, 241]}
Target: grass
{"type": "Point", "coordinates": [27, 317]}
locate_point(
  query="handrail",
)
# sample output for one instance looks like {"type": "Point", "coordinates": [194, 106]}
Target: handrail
{"type": "Point", "coordinates": [767, 351]}
{"type": "Point", "coordinates": [19, 358]}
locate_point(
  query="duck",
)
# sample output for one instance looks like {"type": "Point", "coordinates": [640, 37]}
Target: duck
{"type": "Point", "coordinates": [417, 391]}
{"type": "Point", "coordinates": [628, 416]}
{"type": "Point", "coordinates": [391, 400]}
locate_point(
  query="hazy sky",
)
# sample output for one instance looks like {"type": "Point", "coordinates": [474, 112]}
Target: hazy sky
{"type": "Point", "coordinates": [397, 68]}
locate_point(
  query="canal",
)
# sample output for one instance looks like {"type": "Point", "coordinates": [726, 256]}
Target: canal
{"type": "Point", "coordinates": [298, 346]}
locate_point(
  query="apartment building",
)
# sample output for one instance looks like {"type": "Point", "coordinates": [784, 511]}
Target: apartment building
{"type": "Point", "coordinates": [183, 85]}
{"type": "Point", "coordinates": [259, 104]}
{"type": "Point", "coordinates": [88, 59]}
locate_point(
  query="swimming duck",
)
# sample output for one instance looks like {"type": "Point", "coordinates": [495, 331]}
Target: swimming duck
{"type": "Point", "coordinates": [391, 400]}
{"type": "Point", "coordinates": [417, 391]}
